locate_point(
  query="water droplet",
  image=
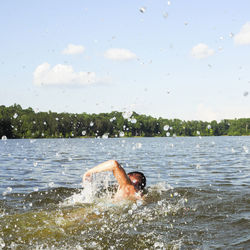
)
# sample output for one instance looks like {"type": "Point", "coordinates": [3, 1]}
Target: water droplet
{"type": "Point", "coordinates": [84, 132]}
{"type": "Point", "coordinates": [198, 132]}
{"type": "Point", "coordinates": [4, 137]}
{"type": "Point", "coordinates": [208, 126]}
{"type": "Point", "coordinates": [121, 134]}
{"type": "Point", "coordinates": [35, 164]}
{"type": "Point", "coordinates": [112, 119]}
{"type": "Point", "coordinates": [165, 15]}
{"type": "Point", "coordinates": [7, 190]}
{"type": "Point", "coordinates": [166, 127]}
{"type": "Point", "coordinates": [142, 9]}
{"type": "Point", "coordinates": [133, 120]}
{"type": "Point", "coordinates": [105, 136]}
{"type": "Point", "coordinates": [51, 184]}
{"type": "Point", "coordinates": [245, 93]}
{"type": "Point", "coordinates": [91, 124]}
{"type": "Point", "coordinates": [167, 134]}
{"type": "Point", "coordinates": [245, 149]}
{"type": "Point", "coordinates": [15, 115]}
{"type": "Point", "coordinates": [159, 245]}
{"type": "Point", "coordinates": [159, 203]}
{"type": "Point", "coordinates": [2, 243]}
{"type": "Point", "coordinates": [97, 212]}
{"type": "Point", "coordinates": [198, 166]}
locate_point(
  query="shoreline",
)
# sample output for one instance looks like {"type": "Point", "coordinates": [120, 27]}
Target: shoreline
{"type": "Point", "coordinates": [113, 137]}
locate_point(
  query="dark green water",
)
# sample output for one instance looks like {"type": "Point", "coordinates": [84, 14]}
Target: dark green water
{"type": "Point", "coordinates": [198, 194]}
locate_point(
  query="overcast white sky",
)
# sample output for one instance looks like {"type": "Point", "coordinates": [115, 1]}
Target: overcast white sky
{"type": "Point", "coordinates": [174, 59]}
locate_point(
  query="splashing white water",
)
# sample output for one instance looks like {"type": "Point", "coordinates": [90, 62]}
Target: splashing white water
{"type": "Point", "coordinates": [89, 192]}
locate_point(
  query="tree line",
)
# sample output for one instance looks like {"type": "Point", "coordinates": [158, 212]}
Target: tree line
{"type": "Point", "coordinates": [16, 122]}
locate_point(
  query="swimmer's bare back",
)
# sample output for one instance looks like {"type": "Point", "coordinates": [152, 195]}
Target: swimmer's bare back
{"type": "Point", "coordinates": [126, 189]}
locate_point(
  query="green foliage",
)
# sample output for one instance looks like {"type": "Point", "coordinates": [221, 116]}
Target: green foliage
{"type": "Point", "coordinates": [16, 122]}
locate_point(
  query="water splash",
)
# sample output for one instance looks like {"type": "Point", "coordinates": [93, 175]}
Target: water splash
{"type": "Point", "coordinates": [92, 191]}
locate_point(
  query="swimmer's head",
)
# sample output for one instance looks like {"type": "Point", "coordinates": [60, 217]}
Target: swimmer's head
{"type": "Point", "coordinates": [138, 179]}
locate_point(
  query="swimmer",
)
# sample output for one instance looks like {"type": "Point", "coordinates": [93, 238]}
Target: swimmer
{"type": "Point", "coordinates": [131, 185]}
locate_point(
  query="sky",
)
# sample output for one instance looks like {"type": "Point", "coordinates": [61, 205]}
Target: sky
{"type": "Point", "coordinates": [173, 59]}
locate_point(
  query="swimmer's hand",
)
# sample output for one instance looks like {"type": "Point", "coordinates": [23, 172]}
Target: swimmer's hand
{"type": "Point", "coordinates": [87, 177]}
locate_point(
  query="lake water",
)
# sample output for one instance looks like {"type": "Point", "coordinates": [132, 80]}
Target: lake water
{"type": "Point", "coordinates": [198, 194]}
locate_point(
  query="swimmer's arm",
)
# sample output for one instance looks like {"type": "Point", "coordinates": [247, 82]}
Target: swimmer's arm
{"type": "Point", "coordinates": [110, 165]}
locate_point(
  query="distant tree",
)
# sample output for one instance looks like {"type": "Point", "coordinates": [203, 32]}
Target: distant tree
{"type": "Point", "coordinates": [16, 122]}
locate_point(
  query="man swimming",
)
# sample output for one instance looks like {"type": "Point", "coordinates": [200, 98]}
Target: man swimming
{"type": "Point", "coordinates": [131, 185]}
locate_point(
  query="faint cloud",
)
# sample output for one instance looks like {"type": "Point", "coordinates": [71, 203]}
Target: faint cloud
{"type": "Point", "coordinates": [61, 74]}
{"type": "Point", "coordinates": [201, 50]}
{"type": "Point", "coordinates": [243, 37]}
{"type": "Point", "coordinates": [119, 54]}
{"type": "Point", "coordinates": [73, 49]}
